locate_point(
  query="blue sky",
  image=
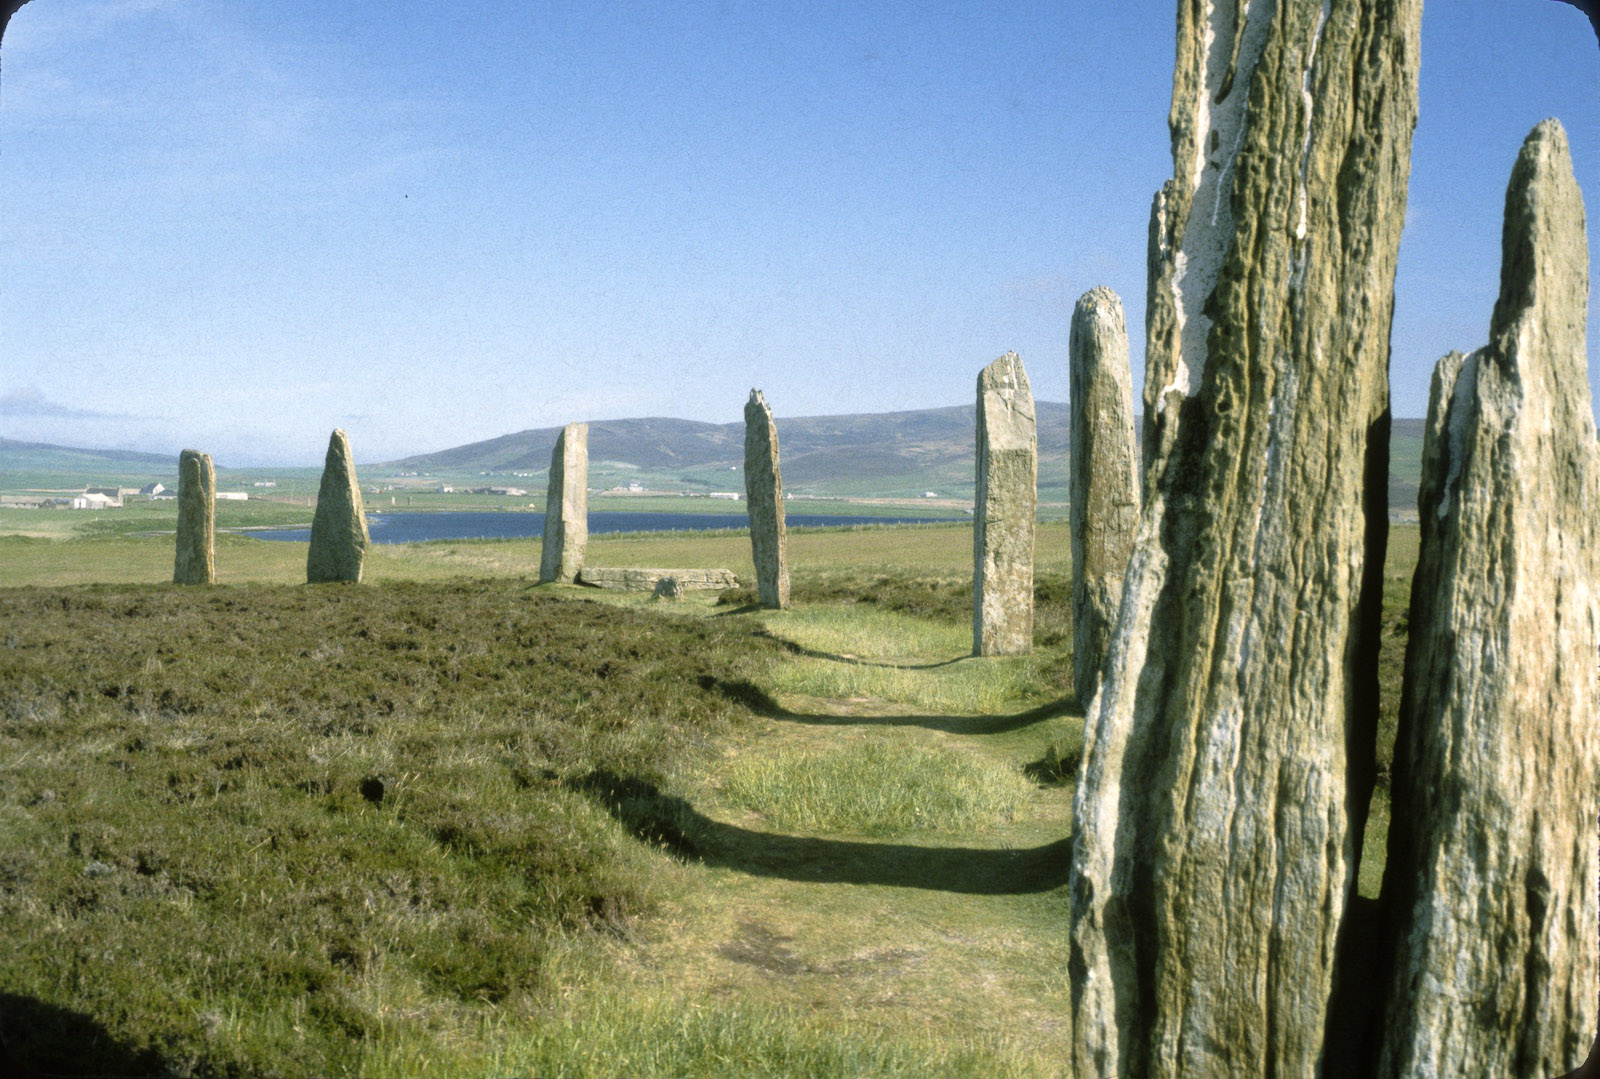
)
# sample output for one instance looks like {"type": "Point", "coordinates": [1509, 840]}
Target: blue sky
{"type": "Point", "coordinates": [236, 224]}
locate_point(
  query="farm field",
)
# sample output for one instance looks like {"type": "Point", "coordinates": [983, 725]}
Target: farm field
{"type": "Point", "coordinates": [453, 823]}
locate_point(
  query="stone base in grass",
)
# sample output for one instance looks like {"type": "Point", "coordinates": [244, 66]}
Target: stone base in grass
{"type": "Point", "coordinates": [645, 580]}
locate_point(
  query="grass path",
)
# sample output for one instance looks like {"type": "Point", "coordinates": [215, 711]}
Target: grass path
{"type": "Point", "coordinates": [947, 928]}
{"type": "Point", "coordinates": [865, 877]}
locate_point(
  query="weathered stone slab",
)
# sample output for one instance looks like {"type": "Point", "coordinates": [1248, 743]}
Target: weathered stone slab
{"type": "Point", "coordinates": [197, 508]}
{"type": "Point", "coordinates": [1489, 888]}
{"type": "Point", "coordinates": [1003, 516]}
{"type": "Point", "coordinates": [669, 588]}
{"type": "Point", "coordinates": [1228, 763]}
{"type": "Point", "coordinates": [566, 507]}
{"type": "Point", "coordinates": [339, 528]}
{"type": "Point", "coordinates": [647, 580]}
{"type": "Point", "coordinates": [764, 495]}
{"type": "Point", "coordinates": [1104, 473]}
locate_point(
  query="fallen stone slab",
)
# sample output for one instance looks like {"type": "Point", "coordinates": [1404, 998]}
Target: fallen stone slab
{"type": "Point", "coordinates": [647, 580]}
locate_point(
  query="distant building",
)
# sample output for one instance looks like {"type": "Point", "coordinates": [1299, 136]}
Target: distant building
{"type": "Point", "coordinates": [265, 483]}
{"type": "Point", "coordinates": [930, 494]}
{"type": "Point", "coordinates": [153, 489]}
{"type": "Point", "coordinates": [232, 496]}
{"type": "Point", "coordinates": [113, 495]}
{"type": "Point", "coordinates": [731, 496]}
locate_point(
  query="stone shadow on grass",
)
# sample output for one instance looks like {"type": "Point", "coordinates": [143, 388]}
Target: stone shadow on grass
{"type": "Point", "coordinates": [41, 1039]}
{"type": "Point", "coordinates": [762, 703]}
{"type": "Point", "coordinates": [794, 648]}
{"type": "Point", "coordinates": [671, 822]}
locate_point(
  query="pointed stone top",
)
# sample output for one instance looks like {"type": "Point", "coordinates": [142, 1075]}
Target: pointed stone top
{"type": "Point", "coordinates": [1544, 248]}
{"type": "Point", "coordinates": [1006, 373]}
{"type": "Point", "coordinates": [757, 397]}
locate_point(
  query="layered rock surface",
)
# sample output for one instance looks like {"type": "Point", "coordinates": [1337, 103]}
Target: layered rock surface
{"type": "Point", "coordinates": [763, 486]}
{"type": "Point", "coordinates": [197, 501]}
{"type": "Point", "coordinates": [1489, 887]}
{"type": "Point", "coordinates": [646, 580]}
{"type": "Point", "coordinates": [1104, 478]}
{"type": "Point", "coordinates": [339, 537]}
{"type": "Point", "coordinates": [1003, 514]}
{"type": "Point", "coordinates": [566, 507]}
{"type": "Point", "coordinates": [1218, 817]}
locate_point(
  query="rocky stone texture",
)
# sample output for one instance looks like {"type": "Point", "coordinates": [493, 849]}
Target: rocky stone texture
{"type": "Point", "coordinates": [1002, 526]}
{"type": "Point", "coordinates": [648, 580]}
{"type": "Point", "coordinates": [1104, 472]}
{"type": "Point", "coordinates": [764, 491]}
{"type": "Point", "coordinates": [197, 505]}
{"type": "Point", "coordinates": [1228, 763]}
{"type": "Point", "coordinates": [566, 507]}
{"type": "Point", "coordinates": [339, 528]}
{"type": "Point", "coordinates": [1489, 888]}
{"type": "Point", "coordinates": [669, 588]}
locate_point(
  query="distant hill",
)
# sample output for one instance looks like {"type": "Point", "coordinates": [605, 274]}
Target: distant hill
{"type": "Point", "coordinates": [42, 457]}
{"type": "Point", "coordinates": [816, 449]}
{"type": "Point", "coordinates": [887, 453]}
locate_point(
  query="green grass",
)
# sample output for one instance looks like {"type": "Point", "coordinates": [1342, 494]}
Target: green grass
{"type": "Point", "coordinates": [291, 805]}
{"type": "Point", "coordinates": [450, 823]}
{"type": "Point", "coordinates": [878, 788]}
{"type": "Point", "coordinates": [612, 1034]}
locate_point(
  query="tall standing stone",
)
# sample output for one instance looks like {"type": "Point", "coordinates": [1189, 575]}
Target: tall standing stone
{"type": "Point", "coordinates": [1489, 888]}
{"type": "Point", "coordinates": [1104, 479]}
{"type": "Point", "coordinates": [1002, 526]}
{"type": "Point", "coordinates": [1219, 815]}
{"type": "Point", "coordinates": [339, 527]}
{"type": "Point", "coordinates": [197, 514]}
{"type": "Point", "coordinates": [566, 507]}
{"type": "Point", "coordinates": [763, 487]}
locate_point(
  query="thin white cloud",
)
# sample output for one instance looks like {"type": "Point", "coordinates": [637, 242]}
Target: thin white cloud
{"type": "Point", "coordinates": [31, 403]}
{"type": "Point", "coordinates": [45, 24]}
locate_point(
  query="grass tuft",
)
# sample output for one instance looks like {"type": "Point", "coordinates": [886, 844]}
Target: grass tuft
{"type": "Point", "coordinates": [877, 789]}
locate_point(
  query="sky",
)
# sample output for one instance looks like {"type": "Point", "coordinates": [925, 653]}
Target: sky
{"type": "Point", "coordinates": [234, 225]}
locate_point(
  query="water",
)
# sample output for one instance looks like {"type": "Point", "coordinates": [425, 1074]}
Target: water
{"type": "Point", "coordinates": [418, 527]}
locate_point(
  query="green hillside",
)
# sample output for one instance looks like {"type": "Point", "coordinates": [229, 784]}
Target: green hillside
{"type": "Point", "coordinates": [870, 455]}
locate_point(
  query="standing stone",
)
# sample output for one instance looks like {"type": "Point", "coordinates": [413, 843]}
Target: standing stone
{"type": "Point", "coordinates": [339, 527]}
{"type": "Point", "coordinates": [566, 507]}
{"type": "Point", "coordinates": [1002, 524]}
{"type": "Point", "coordinates": [763, 487]}
{"type": "Point", "coordinates": [1105, 479]}
{"type": "Point", "coordinates": [1489, 888]}
{"type": "Point", "coordinates": [1219, 815]}
{"type": "Point", "coordinates": [197, 514]}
